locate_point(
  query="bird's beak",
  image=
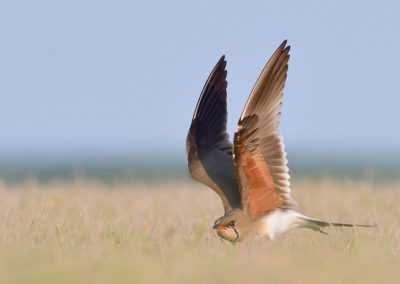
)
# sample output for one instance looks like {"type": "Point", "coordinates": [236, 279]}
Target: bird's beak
{"type": "Point", "coordinates": [218, 227]}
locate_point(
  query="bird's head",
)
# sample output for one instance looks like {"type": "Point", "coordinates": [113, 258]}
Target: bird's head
{"type": "Point", "coordinates": [233, 226]}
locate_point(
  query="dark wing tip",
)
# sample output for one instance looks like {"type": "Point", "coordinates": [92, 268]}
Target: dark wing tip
{"type": "Point", "coordinates": [215, 86]}
{"type": "Point", "coordinates": [221, 64]}
{"type": "Point", "coordinates": [283, 47]}
{"type": "Point", "coordinates": [218, 70]}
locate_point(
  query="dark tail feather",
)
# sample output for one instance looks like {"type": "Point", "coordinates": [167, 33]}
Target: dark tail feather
{"type": "Point", "coordinates": [316, 224]}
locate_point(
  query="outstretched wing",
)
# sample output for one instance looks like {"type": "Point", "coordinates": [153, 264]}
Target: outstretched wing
{"type": "Point", "coordinates": [208, 150]}
{"type": "Point", "coordinates": [259, 155]}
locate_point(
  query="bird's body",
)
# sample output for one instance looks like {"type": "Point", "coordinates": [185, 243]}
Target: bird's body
{"type": "Point", "coordinates": [277, 222]}
{"type": "Point", "coordinates": [250, 176]}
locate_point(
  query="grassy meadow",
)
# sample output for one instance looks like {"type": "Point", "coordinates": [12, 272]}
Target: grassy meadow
{"type": "Point", "coordinates": [85, 231]}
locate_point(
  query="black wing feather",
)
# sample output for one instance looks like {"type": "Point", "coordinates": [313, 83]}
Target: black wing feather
{"type": "Point", "coordinates": [208, 149]}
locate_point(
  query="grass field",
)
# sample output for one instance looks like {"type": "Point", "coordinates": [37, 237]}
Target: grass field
{"type": "Point", "coordinates": [90, 232]}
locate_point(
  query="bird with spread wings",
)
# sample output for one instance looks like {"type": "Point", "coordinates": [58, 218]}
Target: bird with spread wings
{"type": "Point", "coordinates": [251, 176]}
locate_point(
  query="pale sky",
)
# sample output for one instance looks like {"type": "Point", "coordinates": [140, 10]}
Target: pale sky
{"type": "Point", "coordinates": [125, 76]}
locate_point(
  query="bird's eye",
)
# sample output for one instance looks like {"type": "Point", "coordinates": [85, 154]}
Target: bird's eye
{"type": "Point", "coordinates": [232, 223]}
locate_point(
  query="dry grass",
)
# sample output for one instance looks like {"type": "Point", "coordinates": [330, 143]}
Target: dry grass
{"type": "Point", "coordinates": [129, 233]}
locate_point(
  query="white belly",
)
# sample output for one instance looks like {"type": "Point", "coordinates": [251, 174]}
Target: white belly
{"type": "Point", "coordinates": [277, 222]}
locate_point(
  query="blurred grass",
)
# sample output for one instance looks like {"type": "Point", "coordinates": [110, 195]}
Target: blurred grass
{"type": "Point", "coordinates": [86, 231]}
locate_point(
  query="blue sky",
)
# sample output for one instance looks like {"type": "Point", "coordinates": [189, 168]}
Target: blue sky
{"type": "Point", "coordinates": [124, 76]}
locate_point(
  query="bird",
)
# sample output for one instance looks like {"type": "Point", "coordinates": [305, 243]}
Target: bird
{"type": "Point", "coordinates": [251, 175]}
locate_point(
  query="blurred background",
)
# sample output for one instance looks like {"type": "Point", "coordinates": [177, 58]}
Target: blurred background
{"type": "Point", "coordinates": [107, 89]}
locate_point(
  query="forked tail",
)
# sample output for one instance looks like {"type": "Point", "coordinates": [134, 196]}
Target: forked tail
{"type": "Point", "coordinates": [316, 224]}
